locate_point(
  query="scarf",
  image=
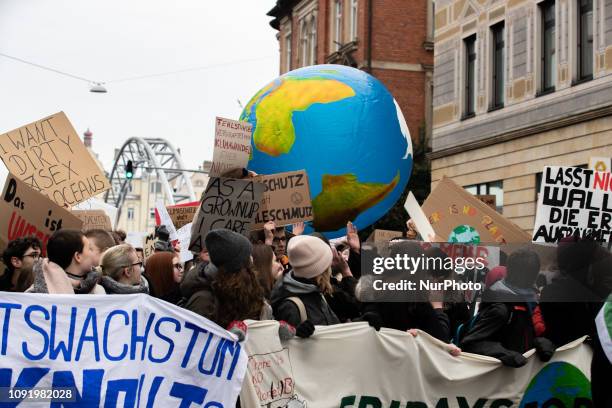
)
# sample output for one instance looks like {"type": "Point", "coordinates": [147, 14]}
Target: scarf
{"type": "Point", "coordinates": [118, 288]}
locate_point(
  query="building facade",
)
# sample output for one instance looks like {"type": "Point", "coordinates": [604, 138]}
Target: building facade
{"type": "Point", "coordinates": [391, 39]}
{"type": "Point", "coordinates": [519, 85]}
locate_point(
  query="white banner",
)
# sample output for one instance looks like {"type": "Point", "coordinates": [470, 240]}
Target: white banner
{"type": "Point", "coordinates": [352, 365]}
{"type": "Point", "coordinates": [117, 351]}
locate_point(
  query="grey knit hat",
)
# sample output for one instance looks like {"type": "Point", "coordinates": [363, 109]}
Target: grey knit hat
{"type": "Point", "coordinates": [228, 249]}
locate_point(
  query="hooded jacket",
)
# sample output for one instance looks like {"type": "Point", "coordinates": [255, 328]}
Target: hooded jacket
{"type": "Point", "coordinates": [317, 309]}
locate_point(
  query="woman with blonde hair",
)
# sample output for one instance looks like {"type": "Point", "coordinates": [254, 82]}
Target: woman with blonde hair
{"type": "Point", "coordinates": [122, 271]}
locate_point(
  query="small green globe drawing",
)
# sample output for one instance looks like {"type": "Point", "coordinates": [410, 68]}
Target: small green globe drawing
{"type": "Point", "coordinates": [464, 234]}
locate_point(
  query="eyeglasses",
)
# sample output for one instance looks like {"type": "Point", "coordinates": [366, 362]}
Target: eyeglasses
{"type": "Point", "coordinates": [33, 255]}
{"type": "Point", "coordinates": [137, 263]}
{"type": "Point", "coordinates": [178, 266]}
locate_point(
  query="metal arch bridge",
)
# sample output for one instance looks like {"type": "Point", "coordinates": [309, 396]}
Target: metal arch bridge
{"type": "Point", "coordinates": [150, 154]}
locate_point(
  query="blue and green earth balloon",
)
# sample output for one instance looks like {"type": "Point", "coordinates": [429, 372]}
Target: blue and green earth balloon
{"type": "Point", "coordinates": [345, 129]}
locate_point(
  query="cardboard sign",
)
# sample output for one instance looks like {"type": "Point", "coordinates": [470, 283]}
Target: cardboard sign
{"type": "Point", "coordinates": [457, 216]}
{"type": "Point", "coordinates": [24, 212]}
{"type": "Point", "coordinates": [380, 235]}
{"type": "Point", "coordinates": [50, 158]}
{"type": "Point", "coordinates": [489, 200]}
{"type": "Point", "coordinates": [182, 214]}
{"type": "Point", "coordinates": [286, 199]}
{"type": "Point", "coordinates": [232, 146]}
{"type": "Point", "coordinates": [97, 204]}
{"type": "Point", "coordinates": [574, 202]}
{"type": "Point", "coordinates": [420, 219]}
{"type": "Point", "coordinates": [227, 203]}
{"type": "Point", "coordinates": [93, 219]}
{"type": "Point", "coordinates": [602, 164]}
{"type": "Point", "coordinates": [148, 245]}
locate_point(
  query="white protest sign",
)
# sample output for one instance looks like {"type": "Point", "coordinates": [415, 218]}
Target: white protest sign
{"type": "Point", "coordinates": [118, 351]}
{"type": "Point", "coordinates": [184, 236]}
{"type": "Point", "coordinates": [420, 219]}
{"type": "Point", "coordinates": [232, 146]}
{"type": "Point", "coordinates": [166, 220]}
{"type": "Point", "coordinates": [574, 202]}
{"type": "Point", "coordinates": [365, 368]}
{"type": "Point", "coordinates": [135, 238]}
{"type": "Point", "coordinates": [97, 204]}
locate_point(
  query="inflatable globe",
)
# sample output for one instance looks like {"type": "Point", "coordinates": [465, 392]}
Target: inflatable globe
{"type": "Point", "coordinates": [345, 129]}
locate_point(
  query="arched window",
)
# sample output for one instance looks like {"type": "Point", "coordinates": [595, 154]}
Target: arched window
{"type": "Point", "coordinates": [313, 40]}
{"type": "Point", "coordinates": [354, 9]}
{"type": "Point", "coordinates": [337, 24]}
{"type": "Point", "coordinates": [304, 48]}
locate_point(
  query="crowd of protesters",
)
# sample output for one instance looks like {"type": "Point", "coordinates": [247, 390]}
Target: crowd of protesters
{"type": "Point", "coordinates": [303, 281]}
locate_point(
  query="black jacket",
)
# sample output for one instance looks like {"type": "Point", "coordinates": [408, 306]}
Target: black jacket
{"type": "Point", "coordinates": [343, 301]}
{"type": "Point", "coordinates": [317, 309]}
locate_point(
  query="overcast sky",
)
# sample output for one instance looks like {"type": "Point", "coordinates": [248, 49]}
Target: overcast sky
{"type": "Point", "coordinates": [105, 40]}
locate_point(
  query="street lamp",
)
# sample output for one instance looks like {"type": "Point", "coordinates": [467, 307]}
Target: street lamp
{"type": "Point", "coordinates": [97, 87]}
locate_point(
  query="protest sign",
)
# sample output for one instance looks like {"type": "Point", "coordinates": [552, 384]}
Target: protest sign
{"type": "Point", "coordinates": [97, 204]}
{"type": "Point", "coordinates": [184, 236]}
{"type": "Point", "coordinates": [50, 158]}
{"type": "Point", "coordinates": [117, 351]}
{"type": "Point", "coordinates": [489, 200]}
{"type": "Point", "coordinates": [574, 202]}
{"type": "Point", "coordinates": [286, 199]}
{"type": "Point", "coordinates": [603, 164]}
{"type": "Point", "coordinates": [165, 219]}
{"type": "Point", "coordinates": [227, 203]}
{"type": "Point", "coordinates": [399, 370]}
{"type": "Point", "coordinates": [379, 235]}
{"type": "Point", "coordinates": [93, 219]}
{"type": "Point", "coordinates": [135, 238]}
{"type": "Point", "coordinates": [148, 245]}
{"type": "Point", "coordinates": [182, 214]}
{"type": "Point", "coordinates": [232, 146]}
{"type": "Point", "coordinates": [419, 218]}
{"type": "Point", "coordinates": [458, 216]}
{"type": "Point", "coordinates": [24, 212]}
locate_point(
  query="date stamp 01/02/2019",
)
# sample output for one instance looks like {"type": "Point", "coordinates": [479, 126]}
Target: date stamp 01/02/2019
{"type": "Point", "coordinates": [16, 394]}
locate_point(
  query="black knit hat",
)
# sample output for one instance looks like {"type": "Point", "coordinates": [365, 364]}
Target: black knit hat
{"type": "Point", "coordinates": [227, 249]}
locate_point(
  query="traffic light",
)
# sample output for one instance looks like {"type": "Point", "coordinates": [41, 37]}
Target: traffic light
{"type": "Point", "coordinates": [129, 170]}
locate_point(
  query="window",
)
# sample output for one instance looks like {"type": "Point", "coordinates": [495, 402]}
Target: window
{"type": "Point", "coordinates": [152, 213]}
{"type": "Point", "coordinates": [288, 52]}
{"type": "Point", "coordinates": [497, 36]}
{"type": "Point", "coordinates": [155, 187]}
{"type": "Point", "coordinates": [549, 62]}
{"type": "Point", "coordinates": [130, 213]}
{"type": "Point", "coordinates": [312, 41]}
{"type": "Point", "coordinates": [495, 188]}
{"type": "Point", "coordinates": [130, 187]}
{"type": "Point", "coordinates": [337, 24]}
{"type": "Point", "coordinates": [585, 39]}
{"type": "Point", "coordinates": [304, 48]}
{"type": "Point", "coordinates": [470, 76]}
{"type": "Point", "coordinates": [354, 16]}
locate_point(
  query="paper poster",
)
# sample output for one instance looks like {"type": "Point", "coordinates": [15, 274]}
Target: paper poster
{"type": "Point", "coordinates": [49, 156]}
{"type": "Point", "coordinates": [184, 236]}
{"type": "Point", "coordinates": [232, 146]}
{"type": "Point", "coordinates": [93, 219]}
{"type": "Point", "coordinates": [182, 214]}
{"type": "Point", "coordinates": [380, 235]}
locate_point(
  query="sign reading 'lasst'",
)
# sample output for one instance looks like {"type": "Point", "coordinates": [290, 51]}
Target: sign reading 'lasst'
{"type": "Point", "coordinates": [50, 158]}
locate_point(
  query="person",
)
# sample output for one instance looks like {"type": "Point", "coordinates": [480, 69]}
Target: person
{"type": "Point", "coordinates": [20, 254]}
{"type": "Point", "coordinates": [226, 289]}
{"type": "Point", "coordinates": [266, 267]}
{"type": "Point", "coordinates": [299, 298]}
{"type": "Point", "coordinates": [100, 241]}
{"type": "Point", "coordinates": [140, 254]}
{"type": "Point", "coordinates": [505, 326]}
{"type": "Point", "coordinates": [122, 271]}
{"type": "Point", "coordinates": [69, 267]}
{"type": "Point", "coordinates": [164, 273]}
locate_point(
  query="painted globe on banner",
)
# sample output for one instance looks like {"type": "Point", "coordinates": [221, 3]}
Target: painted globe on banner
{"type": "Point", "coordinates": [345, 129]}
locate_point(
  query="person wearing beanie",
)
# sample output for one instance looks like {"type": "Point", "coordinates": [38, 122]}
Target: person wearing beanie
{"type": "Point", "coordinates": [299, 298]}
{"type": "Point", "coordinates": [226, 289]}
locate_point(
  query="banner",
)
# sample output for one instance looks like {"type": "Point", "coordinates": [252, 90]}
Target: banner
{"type": "Point", "coordinates": [227, 203]}
{"type": "Point", "coordinates": [117, 351]}
{"type": "Point", "coordinates": [603, 164]}
{"type": "Point", "coordinates": [353, 366]}
{"type": "Point", "coordinates": [93, 219]}
{"type": "Point", "coordinates": [232, 146]}
{"type": "Point", "coordinates": [286, 199]}
{"type": "Point", "coordinates": [574, 201]}
{"type": "Point", "coordinates": [457, 216]}
{"type": "Point", "coordinates": [24, 212]}
{"type": "Point", "coordinates": [50, 158]}
{"type": "Point", "coordinates": [97, 204]}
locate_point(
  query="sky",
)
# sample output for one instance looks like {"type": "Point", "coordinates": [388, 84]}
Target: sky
{"type": "Point", "coordinates": [106, 40]}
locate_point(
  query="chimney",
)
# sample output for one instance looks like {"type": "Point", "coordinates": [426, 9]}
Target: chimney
{"type": "Point", "coordinates": [87, 138]}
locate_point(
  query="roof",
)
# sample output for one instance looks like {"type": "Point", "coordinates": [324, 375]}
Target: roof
{"type": "Point", "coordinates": [281, 9]}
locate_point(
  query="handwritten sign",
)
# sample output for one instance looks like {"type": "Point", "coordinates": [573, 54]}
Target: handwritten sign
{"type": "Point", "coordinates": [271, 378]}
{"type": "Point", "coordinates": [148, 245]}
{"type": "Point", "coordinates": [50, 158]}
{"type": "Point", "coordinates": [379, 235]}
{"type": "Point", "coordinates": [574, 202]}
{"type": "Point", "coordinates": [97, 204]}
{"type": "Point", "coordinates": [182, 214]}
{"type": "Point", "coordinates": [286, 199]}
{"type": "Point", "coordinates": [232, 146]}
{"type": "Point", "coordinates": [24, 212]}
{"type": "Point", "coordinates": [488, 199]}
{"type": "Point", "coordinates": [227, 203]}
{"type": "Point", "coordinates": [93, 219]}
